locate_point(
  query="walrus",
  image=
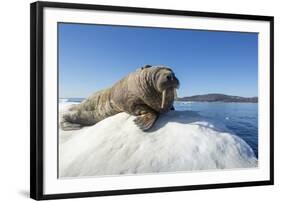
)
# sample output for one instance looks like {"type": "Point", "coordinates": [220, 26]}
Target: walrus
{"type": "Point", "coordinates": [145, 93]}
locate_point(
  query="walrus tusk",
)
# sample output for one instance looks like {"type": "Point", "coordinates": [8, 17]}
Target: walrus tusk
{"type": "Point", "coordinates": [163, 98]}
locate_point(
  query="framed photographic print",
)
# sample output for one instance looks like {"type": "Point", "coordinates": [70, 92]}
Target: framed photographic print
{"type": "Point", "coordinates": [131, 100]}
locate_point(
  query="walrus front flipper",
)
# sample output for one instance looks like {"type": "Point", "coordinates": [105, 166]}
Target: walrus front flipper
{"type": "Point", "coordinates": [145, 121]}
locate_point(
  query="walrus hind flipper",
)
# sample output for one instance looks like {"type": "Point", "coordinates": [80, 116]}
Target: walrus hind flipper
{"type": "Point", "coordinates": [66, 126]}
{"type": "Point", "coordinates": [145, 121]}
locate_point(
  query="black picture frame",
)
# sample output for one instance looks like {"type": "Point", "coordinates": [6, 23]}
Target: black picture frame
{"type": "Point", "coordinates": [36, 99]}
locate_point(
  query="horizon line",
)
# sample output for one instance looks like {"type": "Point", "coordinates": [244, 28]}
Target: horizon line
{"type": "Point", "coordinates": [181, 96]}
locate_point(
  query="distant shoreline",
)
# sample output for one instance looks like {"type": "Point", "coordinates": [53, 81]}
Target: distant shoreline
{"type": "Point", "coordinates": [215, 102]}
{"type": "Point", "coordinates": [215, 97]}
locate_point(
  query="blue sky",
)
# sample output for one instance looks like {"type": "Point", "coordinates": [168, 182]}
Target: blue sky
{"type": "Point", "coordinates": [93, 57]}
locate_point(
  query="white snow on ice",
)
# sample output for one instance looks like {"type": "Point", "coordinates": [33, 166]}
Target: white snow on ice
{"type": "Point", "coordinates": [179, 141]}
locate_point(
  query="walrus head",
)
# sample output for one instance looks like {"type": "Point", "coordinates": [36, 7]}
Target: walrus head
{"type": "Point", "coordinates": [154, 81]}
{"type": "Point", "coordinates": [165, 80]}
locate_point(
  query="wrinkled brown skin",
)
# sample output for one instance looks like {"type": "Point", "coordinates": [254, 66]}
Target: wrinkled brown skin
{"type": "Point", "coordinates": [138, 94]}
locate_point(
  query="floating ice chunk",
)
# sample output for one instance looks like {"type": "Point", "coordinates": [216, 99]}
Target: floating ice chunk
{"type": "Point", "coordinates": [179, 141]}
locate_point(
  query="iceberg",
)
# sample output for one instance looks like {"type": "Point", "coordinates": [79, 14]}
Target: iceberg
{"type": "Point", "coordinates": [179, 141]}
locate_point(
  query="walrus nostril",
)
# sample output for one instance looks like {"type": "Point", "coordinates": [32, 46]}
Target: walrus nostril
{"type": "Point", "coordinates": [169, 77]}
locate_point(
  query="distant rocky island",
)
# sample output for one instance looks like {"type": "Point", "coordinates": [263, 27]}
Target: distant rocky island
{"type": "Point", "coordinates": [215, 97]}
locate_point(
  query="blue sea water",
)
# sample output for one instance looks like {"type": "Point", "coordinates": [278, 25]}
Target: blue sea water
{"type": "Point", "coordinates": [240, 118]}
